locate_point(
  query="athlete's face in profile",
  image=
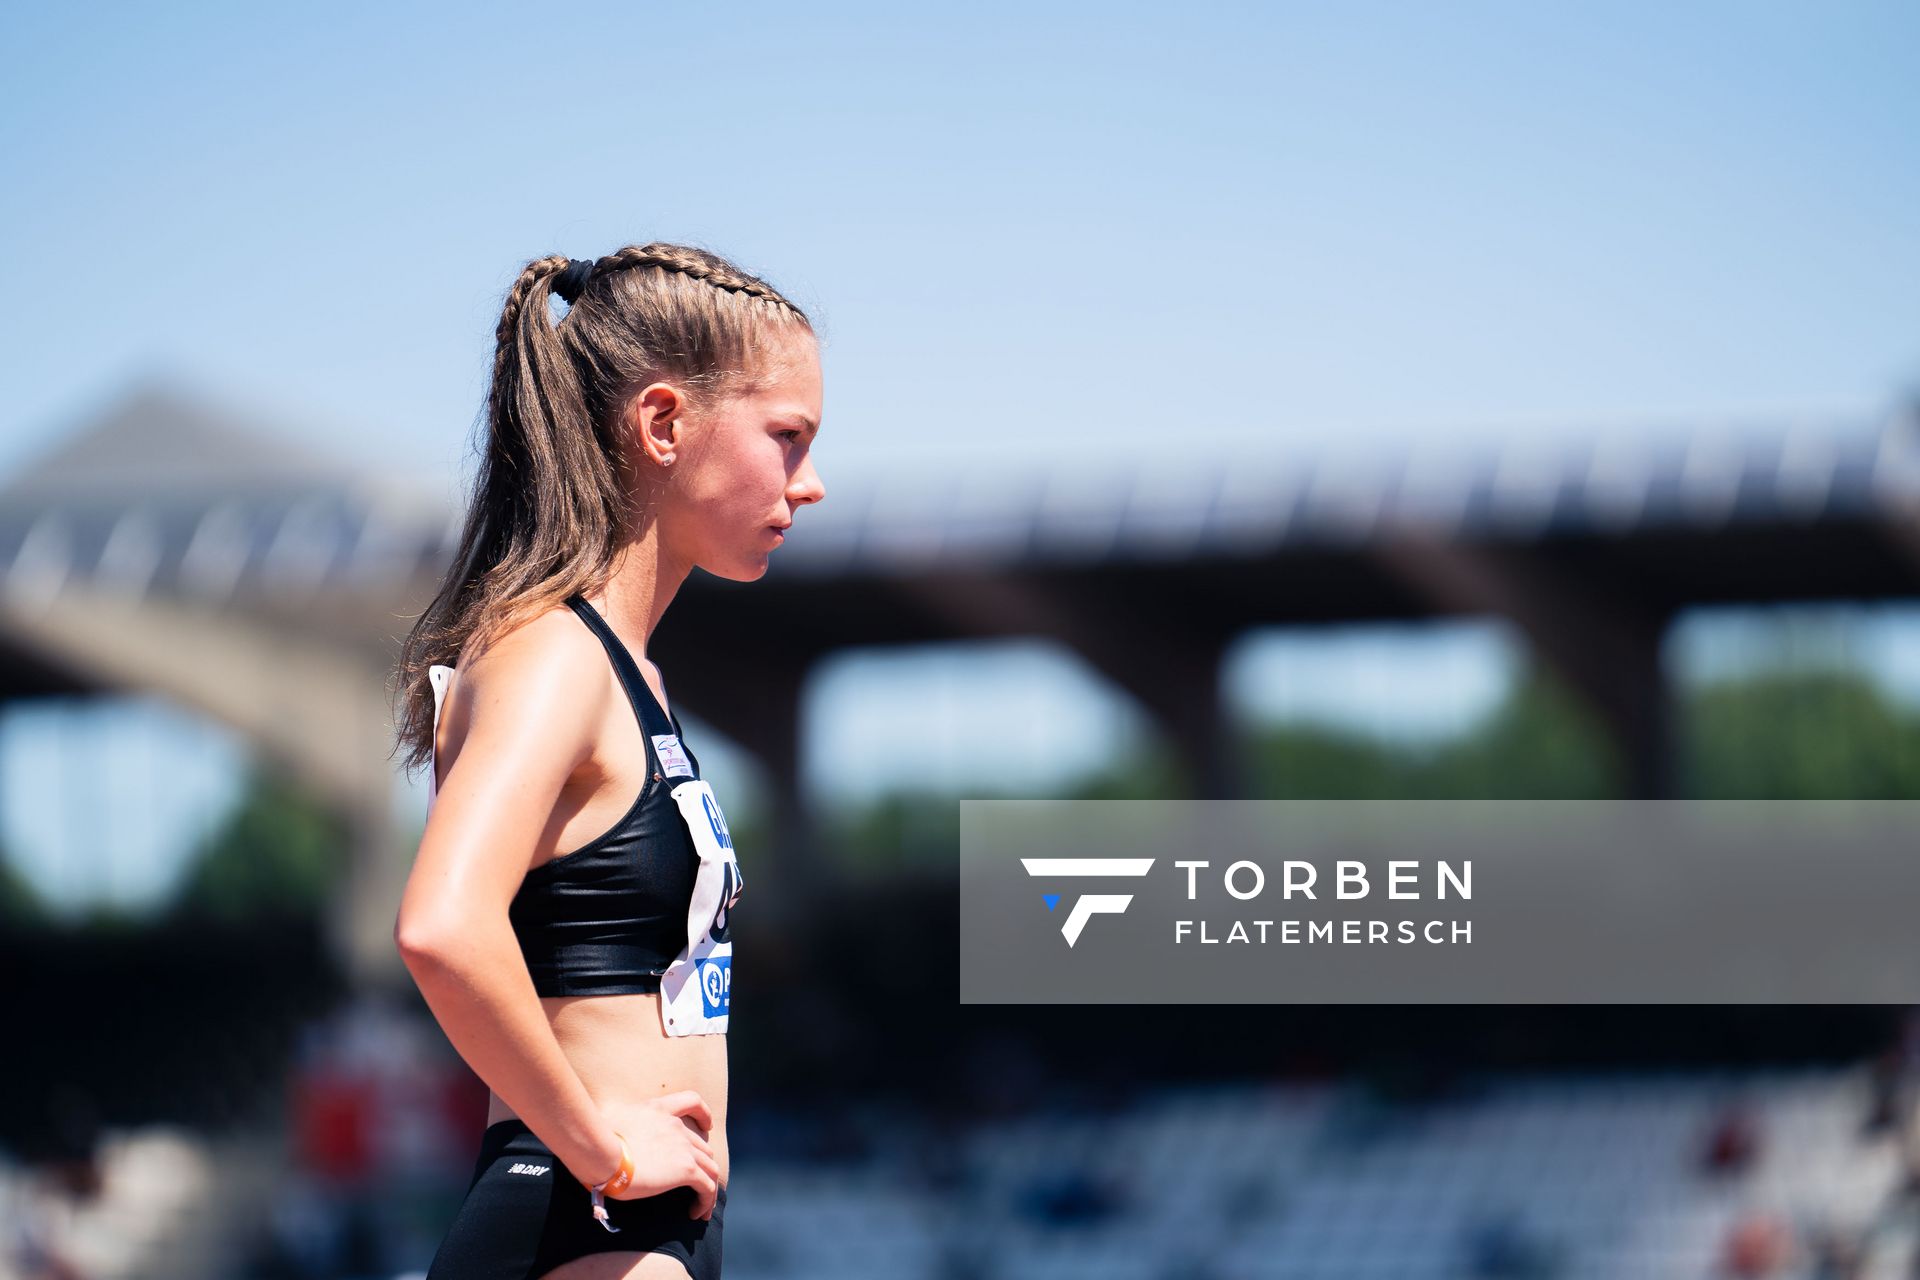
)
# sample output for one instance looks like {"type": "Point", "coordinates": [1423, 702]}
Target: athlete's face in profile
{"type": "Point", "coordinates": [744, 469]}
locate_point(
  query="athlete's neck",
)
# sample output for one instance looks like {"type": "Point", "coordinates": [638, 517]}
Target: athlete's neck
{"type": "Point", "coordinates": [643, 583]}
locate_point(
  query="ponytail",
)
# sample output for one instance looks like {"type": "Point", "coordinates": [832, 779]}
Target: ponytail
{"type": "Point", "coordinates": [548, 511]}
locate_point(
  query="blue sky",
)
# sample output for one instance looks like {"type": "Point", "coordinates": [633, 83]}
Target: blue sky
{"type": "Point", "coordinates": [1124, 226]}
{"type": "Point", "coordinates": [1020, 227]}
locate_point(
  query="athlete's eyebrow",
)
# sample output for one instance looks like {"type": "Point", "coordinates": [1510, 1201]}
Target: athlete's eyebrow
{"type": "Point", "coordinates": [813, 428]}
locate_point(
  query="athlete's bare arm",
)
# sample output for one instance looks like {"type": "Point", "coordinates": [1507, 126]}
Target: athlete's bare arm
{"type": "Point", "coordinates": [531, 707]}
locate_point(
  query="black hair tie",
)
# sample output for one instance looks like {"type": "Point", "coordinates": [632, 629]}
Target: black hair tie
{"type": "Point", "coordinates": [570, 282]}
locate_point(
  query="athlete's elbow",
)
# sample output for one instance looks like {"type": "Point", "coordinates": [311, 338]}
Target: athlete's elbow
{"type": "Point", "coordinates": [422, 943]}
{"type": "Point", "coordinates": [444, 938]}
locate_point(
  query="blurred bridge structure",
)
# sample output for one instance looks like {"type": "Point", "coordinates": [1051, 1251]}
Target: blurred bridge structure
{"type": "Point", "coordinates": [169, 548]}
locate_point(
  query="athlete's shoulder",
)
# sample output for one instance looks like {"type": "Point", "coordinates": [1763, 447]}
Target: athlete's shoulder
{"type": "Point", "coordinates": [547, 670]}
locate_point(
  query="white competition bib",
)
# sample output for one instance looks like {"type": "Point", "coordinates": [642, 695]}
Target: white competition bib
{"type": "Point", "coordinates": [697, 988]}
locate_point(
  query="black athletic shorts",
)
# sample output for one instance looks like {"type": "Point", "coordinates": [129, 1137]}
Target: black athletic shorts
{"type": "Point", "coordinates": [525, 1214]}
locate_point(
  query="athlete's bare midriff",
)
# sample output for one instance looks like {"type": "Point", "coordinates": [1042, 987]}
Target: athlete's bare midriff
{"type": "Point", "coordinates": [624, 1057]}
{"type": "Point", "coordinates": [616, 1044]}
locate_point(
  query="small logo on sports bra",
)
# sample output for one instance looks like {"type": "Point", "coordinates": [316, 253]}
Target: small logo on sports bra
{"type": "Point", "coordinates": [673, 757]}
{"type": "Point", "coordinates": [535, 1169]}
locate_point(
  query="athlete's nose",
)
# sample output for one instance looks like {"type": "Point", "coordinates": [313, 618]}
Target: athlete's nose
{"type": "Point", "coordinates": [807, 486]}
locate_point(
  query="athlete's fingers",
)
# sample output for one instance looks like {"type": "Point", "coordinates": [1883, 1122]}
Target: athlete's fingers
{"type": "Point", "coordinates": [689, 1104]}
{"type": "Point", "coordinates": [706, 1188]}
{"type": "Point", "coordinates": [698, 1139]}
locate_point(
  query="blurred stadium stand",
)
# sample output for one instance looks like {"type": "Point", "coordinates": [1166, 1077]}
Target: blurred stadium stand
{"type": "Point", "coordinates": [173, 549]}
{"type": "Point", "coordinates": [1565, 1177]}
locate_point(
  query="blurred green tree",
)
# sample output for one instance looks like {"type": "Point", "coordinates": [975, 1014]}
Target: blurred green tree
{"type": "Point", "coordinates": [1785, 735]}
{"type": "Point", "coordinates": [1800, 736]}
{"type": "Point", "coordinates": [278, 854]}
{"type": "Point", "coordinates": [20, 903]}
{"type": "Point", "coordinates": [1537, 744]}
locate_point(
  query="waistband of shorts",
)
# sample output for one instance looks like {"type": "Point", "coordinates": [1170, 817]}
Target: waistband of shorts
{"type": "Point", "coordinates": [513, 1135]}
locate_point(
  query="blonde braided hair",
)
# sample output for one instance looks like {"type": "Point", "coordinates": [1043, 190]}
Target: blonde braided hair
{"type": "Point", "coordinates": [696, 264]}
{"type": "Point", "coordinates": [548, 511]}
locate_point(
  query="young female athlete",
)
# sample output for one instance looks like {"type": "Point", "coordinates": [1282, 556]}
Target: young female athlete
{"type": "Point", "coordinates": [567, 916]}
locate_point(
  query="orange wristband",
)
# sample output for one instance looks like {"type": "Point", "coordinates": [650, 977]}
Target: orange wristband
{"type": "Point", "coordinates": [621, 1179]}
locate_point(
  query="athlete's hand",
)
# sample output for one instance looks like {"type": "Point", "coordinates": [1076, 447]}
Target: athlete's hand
{"type": "Point", "coordinates": [667, 1137]}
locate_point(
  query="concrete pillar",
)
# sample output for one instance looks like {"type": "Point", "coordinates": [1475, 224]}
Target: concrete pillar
{"type": "Point", "coordinates": [1171, 667]}
{"type": "Point", "coordinates": [1607, 647]}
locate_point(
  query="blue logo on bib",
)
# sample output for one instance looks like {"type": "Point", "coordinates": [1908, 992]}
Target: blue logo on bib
{"type": "Point", "coordinates": [716, 985]}
{"type": "Point", "coordinates": [717, 821]}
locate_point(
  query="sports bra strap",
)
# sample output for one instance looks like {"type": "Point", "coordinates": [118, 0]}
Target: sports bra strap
{"type": "Point", "coordinates": [653, 718]}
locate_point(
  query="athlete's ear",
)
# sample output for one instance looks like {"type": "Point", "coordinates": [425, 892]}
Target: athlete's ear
{"type": "Point", "coordinates": [654, 419]}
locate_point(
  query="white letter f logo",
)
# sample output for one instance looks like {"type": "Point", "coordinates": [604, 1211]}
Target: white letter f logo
{"type": "Point", "coordinates": [1090, 904]}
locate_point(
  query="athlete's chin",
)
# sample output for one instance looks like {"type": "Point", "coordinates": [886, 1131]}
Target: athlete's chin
{"type": "Point", "coordinates": [751, 569]}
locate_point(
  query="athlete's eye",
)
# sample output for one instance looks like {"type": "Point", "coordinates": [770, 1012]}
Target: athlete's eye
{"type": "Point", "coordinates": [793, 435]}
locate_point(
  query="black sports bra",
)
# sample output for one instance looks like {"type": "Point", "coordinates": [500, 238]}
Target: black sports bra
{"type": "Point", "coordinates": [611, 916]}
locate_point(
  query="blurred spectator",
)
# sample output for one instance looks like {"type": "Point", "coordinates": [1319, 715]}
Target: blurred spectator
{"type": "Point", "coordinates": [28, 1214]}
{"type": "Point", "coordinates": [1733, 1143]}
{"type": "Point", "coordinates": [1886, 1090]}
{"type": "Point", "coordinates": [1837, 1252]}
{"type": "Point", "coordinates": [42, 1196]}
{"type": "Point", "coordinates": [1759, 1245]}
{"type": "Point", "coordinates": [1891, 1080]}
{"type": "Point", "coordinates": [334, 1117]}
{"type": "Point", "coordinates": [377, 1102]}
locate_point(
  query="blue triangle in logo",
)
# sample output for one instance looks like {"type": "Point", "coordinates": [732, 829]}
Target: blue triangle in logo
{"type": "Point", "coordinates": [1051, 899]}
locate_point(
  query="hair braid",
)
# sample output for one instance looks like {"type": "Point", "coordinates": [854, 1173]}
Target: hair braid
{"type": "Point", "coordinates": [696, 265]}
{"type": "Point", "coordinates": [540, 271]}
{"type": "Point", "coordinates": [550, 508]}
